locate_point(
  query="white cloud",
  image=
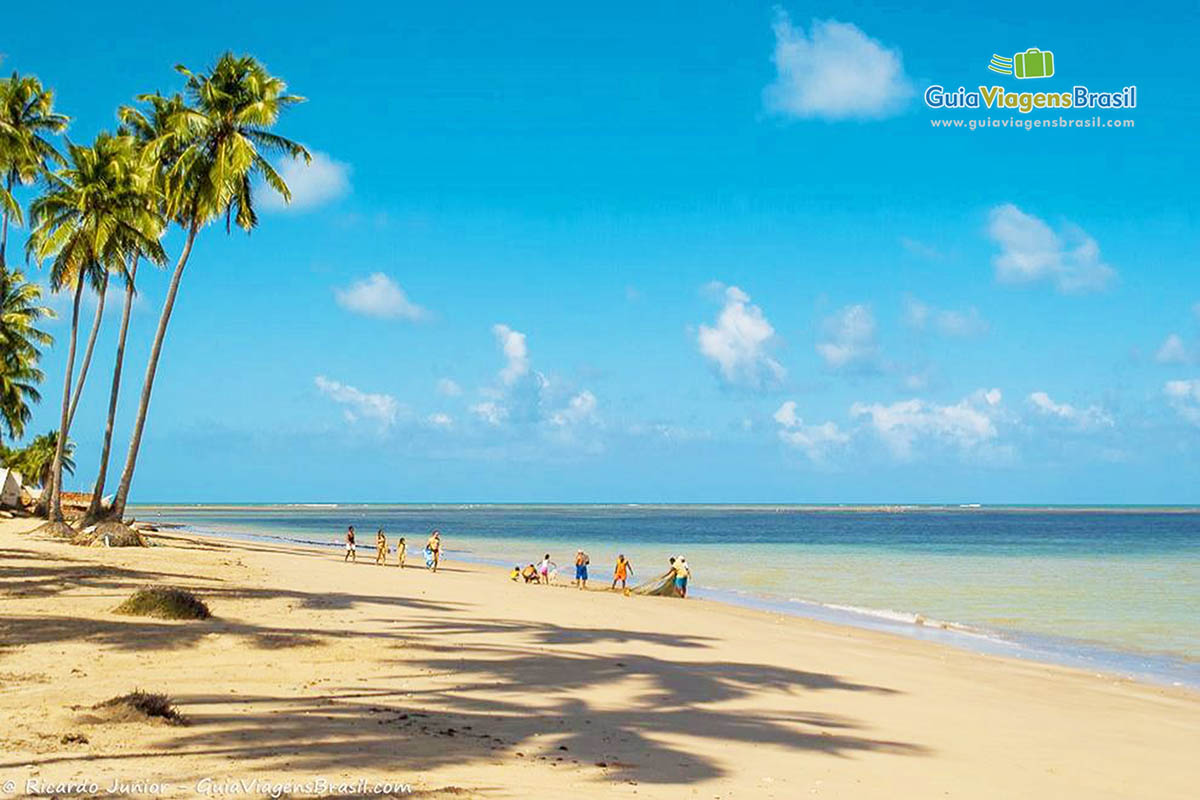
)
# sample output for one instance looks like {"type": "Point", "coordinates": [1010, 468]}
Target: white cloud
{"type": "Point", "coordinates": [948, 322]}
{"type": "Point", "coordinates": [1081, 418]}
{"type": "Point", "coordinates": [448, 388]}
{"type": "Point", "coordinates": [516, 352]}
{"type": "Point", "coordinates": [849, 339]}
{"type": "Point", "coordinates": [314, 184]}
{"type": "Point", "coordinates": [740, 341]}
{"type": "Point", "coordinates": [1184, 397]}
{"type": "Point", "coordinates": [440, 419]}
{"type": "Point", "coordinates": [1172, 351]}
{"type": "Point", "coordinates": [814, 440]}
{"type": "Point", "coordinates": [1031, 251]}
{"type": "Point", "coordinates": [490, 412]}
{"type": "Point", "coordinates": [967, 425]}
{"type": "Point", "coordinates": [581, 408]}
{"type": "Point", "coordinates": [357, 404]}
{"type": "Point", "coordinates": [379, 296]}
{"type": "Point", "coordinates": [836, 72]}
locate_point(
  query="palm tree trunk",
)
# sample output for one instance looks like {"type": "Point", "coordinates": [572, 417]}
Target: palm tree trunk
{"type": "Point", "coordinates": [135, 441]}
{"type": "Point", "coordinates": [96, 506]}
{"type": "Point", "coordinates": [87, 353]}
{"type": "Point", "coordinates": [56, 514]}
{"type": "Point", "coordinates": [4, 227]}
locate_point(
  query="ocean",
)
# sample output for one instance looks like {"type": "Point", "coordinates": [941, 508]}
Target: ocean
{"type": "Point", "coordinates": [1115, 590]}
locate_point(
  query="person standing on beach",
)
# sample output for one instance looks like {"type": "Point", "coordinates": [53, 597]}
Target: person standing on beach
{"type": "Point", "coordinates": [581, 564]}
{"type": "Point", "coordinates": [433, 550]}
{"type": "Point", "coordinates": [401, 551]}
{"type": "Point", "coordinates": [624, 570]}
{"type": "Point", "coordinates": [545, 567]}
{"type": "Point", "coordinates": [351, 553]}
{"type": "Point", "coordinates": [682, 573]}
{"type": "Point", "coordinates": [380, 548]}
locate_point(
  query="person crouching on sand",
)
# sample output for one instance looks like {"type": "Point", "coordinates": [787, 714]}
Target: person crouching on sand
{"type": "Point", "coordinates": [380, 547]}
{"type": "Point", "coordinates": [401, 551]}
{"type": "Point", "coordinates": [530, 574]}
{"type": "Point", "coordinates": [623, 570]}
{"type": "Point", "coordinates": [581, 564]}
{"type": "Point", "coordinates": [682, 573]}
{"type": "Point", "coordinates": [351, 554]}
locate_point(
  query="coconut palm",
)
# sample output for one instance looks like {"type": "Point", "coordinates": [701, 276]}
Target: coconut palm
{"type": "Point", "coordinates": [91, 217]}
{"type": "Point", "coordinates": [35, 461]}
{"type": "Point", "coordinates": [26, 115]}
{"type": "Point", "coordinates": [145, 128]}
{"type": "Point", "coordinates": [21, 341]}
{"type": "Point", "coordinates": [210, 153]}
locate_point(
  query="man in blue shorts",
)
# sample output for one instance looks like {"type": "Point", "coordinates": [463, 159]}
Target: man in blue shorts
{"type": "Point", "coordinates": [581, 564]}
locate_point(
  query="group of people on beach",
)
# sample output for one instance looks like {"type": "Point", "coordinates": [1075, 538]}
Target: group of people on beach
{"type": "Point", "coordinates": [433, 549]}
{"type": "Point", "coordinates": [674, 581]}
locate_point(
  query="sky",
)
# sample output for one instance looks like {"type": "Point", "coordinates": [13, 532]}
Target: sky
{"type": "Point", "coordinates": [702, 252]}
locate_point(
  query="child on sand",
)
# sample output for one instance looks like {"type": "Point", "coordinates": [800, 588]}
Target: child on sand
{"type": "Point", "coordinates": [530, 574]}
{"type": "Point", "coordinates": [401, 551]}
{"type": "Point", "coordinates": [545, 567]}
{"type": "Point", "coordinates": [380, 547]}
{"type": "Point", "coordinates": [515, 574]}
{"type": "Point", "coordinates": [623, 570]}
{"type": "Point", "coordinates": [581, 564]}
{"type": "Point", "coordinates": [351, 554]}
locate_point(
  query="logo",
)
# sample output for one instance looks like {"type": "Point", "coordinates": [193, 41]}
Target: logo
{"type": "Point", "coordinates": [1033, 63]}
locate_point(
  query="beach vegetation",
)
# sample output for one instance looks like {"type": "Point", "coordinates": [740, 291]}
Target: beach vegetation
{"type": "Point", "coordinates": [164, 602]}
{"type": "Point", "coordinates": [21, 344]}
{"type": "Point", "coordinates": [140, 705]}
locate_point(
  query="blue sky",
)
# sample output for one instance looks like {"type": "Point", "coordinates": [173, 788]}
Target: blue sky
{"type": "Point", "coordinates": [692, 252]}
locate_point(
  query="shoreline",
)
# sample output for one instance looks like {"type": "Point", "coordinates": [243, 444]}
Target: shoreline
{"type": "Point", "coordinates": [1153, 668]}
{"type": "Point", "coordinates": [465, 684]}
{"type": "Point", "coordinates": [861, 508]}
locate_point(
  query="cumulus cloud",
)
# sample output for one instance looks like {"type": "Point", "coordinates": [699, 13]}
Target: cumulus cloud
{"type": "Point", "coordinates": [490, 412]}
{"type": "Point", "coordinates": [516, 353]}
{"type": "Point", "coordinates": [947, 322]}
{"type": "Point", "coordinates": [1031, 251]}
{"type": "Point", "coordinates": [448, 388]}
{"type": "Point", "coordinates": [1088, 418]}
{"type": "Point", "coordinates": [1172, 351]}
{"type": "Point", "coordinates": [968, 425]}
{"type": "Point", "coordinates": [314, 184]}
{"type": "Point", "coordinates": [834, 72]}
{"type": "Point", "coordinates": [357, 404]}
{"type": "Point", "coordinates": [379, 296]}
{"type": "Point", "coordinates": [440, 419]}
{"type": "Point", "coordinates": [815, 441]}
{"type": "Point", "coordinates": [1184, 397]}
{"type": "Point", "coordinates": [580, 408]}
{"type": "Point", "coordinates": [848, 339]}
{"type": "Point", "coordinates": [740, 342]}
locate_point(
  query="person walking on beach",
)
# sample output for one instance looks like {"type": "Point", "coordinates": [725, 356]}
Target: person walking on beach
{"type": "Point", "coordinates": [682, 573]}
{"type": "Point", "coordinates": [623, 570]}
{"type": "Point", "coordinates": [545, 567]}
{"type": "Point", "coordinates": [433, 550]}
{"type": "Point", "coordinates": [581, 564]}
{"type": "Point", "coordinates": [401, 551]}
{"type": "Point", "coordinates": [351, 554]}
{"type": "Point", "coordinates": [380, 548]}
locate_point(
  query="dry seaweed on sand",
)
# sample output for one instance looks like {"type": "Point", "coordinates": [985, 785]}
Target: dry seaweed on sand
{"type": "Point", "coordinates": [139, 705]}
{"type": "Point", "coordinates": [164, 602]}
{"type": "Point", "coordinates": [110, 534]}
{"type": "Point", "coordinates": [57, 530]}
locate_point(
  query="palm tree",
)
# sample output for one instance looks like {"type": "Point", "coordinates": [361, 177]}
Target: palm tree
{"type": "Point", "coordinates": [145, 128]}
{"type": "Point", "coordinates": [90, 218]}
{"type": "Point", "coordinates": [210, 154]}
{"type": "Point", "coordinates": [20, 343]}
{"type": "Point", "coordinates": [26, 115]}
{"type": "Point", "coordinates": [35, 461]}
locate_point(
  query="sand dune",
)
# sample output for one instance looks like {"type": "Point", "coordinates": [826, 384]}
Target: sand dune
{"type": "Point", "coordinates": [463, 684]}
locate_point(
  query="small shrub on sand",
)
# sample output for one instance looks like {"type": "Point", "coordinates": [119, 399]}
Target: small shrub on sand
{"type": "Point", "coordinates": [164, 603]}
{"type": "Point", "coordinates": [138, 705]}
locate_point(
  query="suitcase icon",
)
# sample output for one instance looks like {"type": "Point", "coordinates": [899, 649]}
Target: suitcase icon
{"type": "Point", "coordinates": [1033, 63]}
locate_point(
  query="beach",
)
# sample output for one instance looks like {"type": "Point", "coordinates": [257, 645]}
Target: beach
{"type": "Point", "coordinates": [318, 674]}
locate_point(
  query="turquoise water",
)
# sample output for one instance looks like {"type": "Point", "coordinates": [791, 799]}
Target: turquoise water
{"type": "Point", "coordinates": [1117, 589]}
